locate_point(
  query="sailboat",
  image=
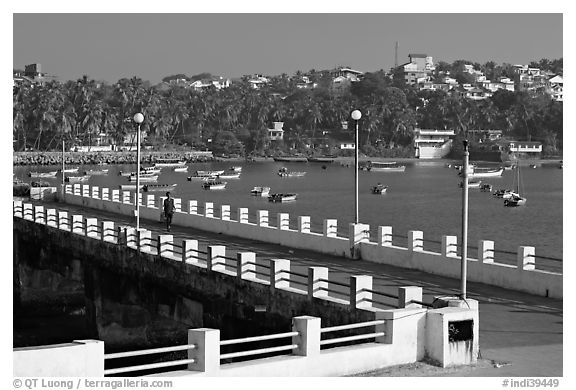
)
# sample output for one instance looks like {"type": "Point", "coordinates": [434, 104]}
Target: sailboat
{"type": "Point", "coordinates": [516, 199]}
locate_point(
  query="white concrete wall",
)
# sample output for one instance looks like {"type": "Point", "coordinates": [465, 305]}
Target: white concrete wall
{"type": "Point", "coordinates": [520, 278]}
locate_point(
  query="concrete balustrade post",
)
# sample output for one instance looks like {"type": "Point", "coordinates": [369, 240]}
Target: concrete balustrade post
{"type": "Point", "coordinates": [407, 294]}
{"type": "Point", "coordinates": [243, 215]}
{"type": "Point", "coordinates": [304, 224]}
{"type": "Point", "coordinates": [144, 240]}
{"type": "Point", "coordinates": [28, 211]}
{"type": "Point", "coordinates": [385, 235]}
{"type": "Point", "coordinates": [215, 258]}
{"type": "Point", "coordinates": [18, 209]}
{"type": "Point", "coordinates": [140, 196]}
{"type": "Point", "coordinates": [209, 210]}
{"type": "Point", "coordinates": [178, 205]}
{"type": "Point", "coordinates": [225, 212]}
{"type": "Point", "coordinates": [262, 217]}
{"type": "Point", "coordinates": [63, 220]}
{"type": "Point", "coordinates": [316, 286]}
{"type": "Point", "coordinates": [449, 246]}
{"type": "Point", "coordinates": [77, 189]}
{"type": "Point", "coordinates": [78, 224]}
{"type": "Point", "coordinates": [193, 206]}
{"type": "Point", "coordinates": [246, 265]}
{"type": "Point", "coordinates": [95, 192]}
{"type": "Point", "coordinates": [283, 221]}
{"type": "Point", "coordinates": [189, 252]}
{"type": "Point", "coordinates": [107, 231]}
{"type": "Point", "coordinates": [308, 339]}
{"type": "Point", "coordinates": [150, 201]}
{"type": "Point", "coordinates": [360, 297]}
{"type": "Point", "coordinates": [357, 233]}
{"type": "Point", "coordinates": [127, 197]}
{"type": "Point", "coordinates": [526, 258]}
{"type": "Point", "coordinates": [330, 227]}
{"type": "Point", "coordinates": [415, 241]}
{"type": "Point", "coordinates": [91, 227]}
{"type": "Point", "coordinates": [485, 251]}
{"type": "Point", "coordinates": [85, 190]}
{"type": "Point", "coordinates": [115, 195]}
{"type": "Point", "coordinates": [164, 246]}
{"type": "Point", "coordinates": [51, 218]}
{"type": "Point", "coordinates": [69, 189]}
{"type": "Point", "coordinates": [279, 276]}
{"type": "Point", "coordinates": [206, 355]}
{"type": "Point", "coordinates": [131, 237]}
{"type": "Point", "coordinates": [105, 194]}
{"type": "Point", "coordinates": [39, 216]}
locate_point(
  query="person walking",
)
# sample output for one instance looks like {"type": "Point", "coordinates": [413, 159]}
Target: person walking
{"type": "Point", "coordinates": [168, 210]}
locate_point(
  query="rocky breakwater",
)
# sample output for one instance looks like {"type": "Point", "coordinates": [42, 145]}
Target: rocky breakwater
{"type": "Point", "coordinates": [87, 158]}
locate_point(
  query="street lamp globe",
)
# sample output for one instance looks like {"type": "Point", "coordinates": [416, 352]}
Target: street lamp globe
{"type": "Point", "coordinates": [138, 118]}
{"type": "Point", "coordinates": [356, 115]}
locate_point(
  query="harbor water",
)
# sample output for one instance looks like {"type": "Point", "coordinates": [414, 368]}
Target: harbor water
{"type": "Point", "coordinates": [425, 197]}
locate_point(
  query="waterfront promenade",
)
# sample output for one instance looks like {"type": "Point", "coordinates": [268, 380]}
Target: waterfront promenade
{"type": "Point", "coordinates": [520, 334]}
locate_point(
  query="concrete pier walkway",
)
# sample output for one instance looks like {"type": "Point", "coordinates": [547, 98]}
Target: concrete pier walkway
{"type": "Point", "coordinates": [521, 335]}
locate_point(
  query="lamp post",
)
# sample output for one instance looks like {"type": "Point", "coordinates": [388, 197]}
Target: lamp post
{"type": "Point", "coordinates": [463, 264]}
{"type": "Point", "coordinates": [356, 115]}
{"type": "Point", "coordinates": [138, 118]}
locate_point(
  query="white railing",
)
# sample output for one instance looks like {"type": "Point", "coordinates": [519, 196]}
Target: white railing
{"type": "Point", "coordinates": [143, 367]}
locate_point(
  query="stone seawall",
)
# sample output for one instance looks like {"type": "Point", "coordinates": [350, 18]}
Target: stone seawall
{"type": "Point", "coordinates": [79, 158]}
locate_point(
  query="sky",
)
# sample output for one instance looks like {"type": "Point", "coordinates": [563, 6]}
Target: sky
{"type": "Point", "coordinates": [111, 46]}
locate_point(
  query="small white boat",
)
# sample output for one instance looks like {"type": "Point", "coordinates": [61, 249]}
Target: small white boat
{"type": "Point", "coordinates": [235, 169]}
{"type": "Point", "coordinates": [144, 178]}
{"type": "Point", "coordinates": [284, 172]}
{"type": "Point", "coordinates": [504, 194]}
{"type": "Point", "coordinates": [385, 167]}
{"type": "Point", "coordinates": [208, 173]}
{"type": "Point", "coordinates": [486, 172]}
{"type": "Point", "coordinates": [471, 184]}
{"type": "Point", "coordinates": [158, 187]}
{"type": "Point", "coordinates": [45, 175]}
{"type": "Point", "coordinates": [94, 172]}
{"type": "Point", "coordinates": [282, 197]}
{"type": "Point", "coordinates": [214, 185]}
{"type": "Point", "coordinates": [168, 162]}
{"type": "Point", "coordinates": [126, 174]}
{"type": "Point", "coordinates": [229, 176]}
{"type": "Point", "coordinates": [70, 170]}
{"type": "Point", "coordinates": [181, 169]}
{"type": "Point", "coordinates": [516, 199]}
{"type": "Point", "coordinates": [260, 191]}
{"type": "Point", "coordinates": [150, 170]}
{"type": "Point", "coordinates": [379, 189]}
{"type": "Point", "coordinates": [76, 179]}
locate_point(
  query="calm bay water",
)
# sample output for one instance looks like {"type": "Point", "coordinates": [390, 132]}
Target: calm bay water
{"type": "Point", "coordinates": [425, 197]}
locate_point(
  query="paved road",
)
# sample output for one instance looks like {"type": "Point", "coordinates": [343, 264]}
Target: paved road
{"type": "Point", "coordinates": [521, 334]}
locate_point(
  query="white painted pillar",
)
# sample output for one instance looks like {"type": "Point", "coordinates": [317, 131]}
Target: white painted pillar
{"type": "Point", "coordinates": [28, 211]}
{"type": "Point", "coordinates": [115, 195]}
{"type": "Point", "coordinates": [243, 215]}
{"type": "Point", "coordinates": [449, 246]}
{"type": "Point", "coordinates": [150, 200]}
{"type": "Point", "coordinates": [357, 233]}
{"type": "Point", "coordinates": [206, 355]}
{"type": "Point", "coordinates": [126, 197]}
{"type": "Point", "coordinates": [63, 220]}
{"type": "Point", "coordinates": [283, 221]}
{"type": "Point", "coordinates": [193, 206]}
{"type": "Point", "coordinates": [144, 240]}
{"type": "Point", "coordinates": [262, 217]}
{"type": "Point", "coordinates": [18, 209]}
{"type": "Point", "coordinates": [209, 210]}
{"type": "Point", "coordinates": [315, 285]}
{"type": "Point", "coordinates": [140, 198]}
{"type": "Point", "coordinates": [105, 194]}
{"type": "Point", "coordinates": [85, 190]}
{"type": "Point", "coordinates": [69, 189]}
{"type": "Point", "coordinates": [78, 224]}
{"type": "Point", "coordinates": [330, 227]}
{"type": "Point", "coordinates": [304, 224]}
{"type": "Point", "coordinates": [485, 251]}
{"type": "Point", "coordinates": [39, 216]}
{"type": "Point", "coordinates": [77, 189]}
{"type": "Point", "coordinates": [165, 245]}
{"type": "Point", "coordinates": [95, 192]}
{"type": "Point", "coordinates": [91, 227]}
{"type": "Point", "coordinates": [526, 258]}
{"type": "Point", "coordinates": [189, 252]}
{"type": "Point", "coordinates": [177, 205]}
{"type": "Point", "coordinates": [415, 241]}
{"type": "Point", "coordinates": [279, 276]}
{"type": "Point", "coordinates": [385, 235]}
{"type": "Point", "coordinates": [246, 265]}
{"type": "Point", "coordinates": [407, 294]}
{"type": "Point", "coordinates": [215, 258]}
{"type": "Point", "coordinates": [131, 237]}
{"type": "Point", "coordinates": [308, 339]}
{"type": "Point", "coordinates": [51, 218]}
{"type": "Point", "coordinates": [107, 231]}
{"type": "Point", "coordinates": [225, 212]}
{"type": "Point", "coordinates": [359, 297]}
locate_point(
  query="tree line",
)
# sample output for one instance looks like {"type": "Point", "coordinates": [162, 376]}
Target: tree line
{"type": "Point", "coordinates": [235, 120]}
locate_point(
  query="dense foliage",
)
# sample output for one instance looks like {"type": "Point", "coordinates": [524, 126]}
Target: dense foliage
{"type": "Point", "coordinates": [234, 120]}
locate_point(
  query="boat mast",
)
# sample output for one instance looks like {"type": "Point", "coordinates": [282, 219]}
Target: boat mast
{"type": "Point", "coordinates": [63, 173]}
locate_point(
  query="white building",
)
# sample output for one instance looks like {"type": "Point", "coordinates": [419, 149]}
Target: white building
{"type": "Point", "coordinates": [432, 143]}
{"type": "Point", "coordinates": [276, 133]}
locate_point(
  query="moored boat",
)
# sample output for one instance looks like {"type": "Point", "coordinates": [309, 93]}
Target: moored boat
{"type": "Point", "coordinates": [235, 168]}
{"type": "Point", "coordinates": [144, 178]}
{"type": "Point", "coordinates": [168, 162]}
{"type": "Point", "coordinates": [94, 172]}
{"type": "Point", "coordinates": [284, 172]}
{"type": "Point", "coordinates": [158, 187]}
{"type": "Point", "coordinates": [290, 159]}
{"type": "Point", "coordinates": [379, 189]}
{"type": "Point", "coordinates": [150, 170]}
{"type": "Point", "coordinates": [486, 172]}
{"type": "Point", "coordinates": [76, 179]}
{"type": "Point", "coordinates": [516, 199]}
{"type": "Point", "coordinates": [181, 169]}
{"type": "Point", "coordinates": [208, 173]}
{"type": "Point", "coordinates": [471, 184]}
{"type": "Point", "coordinates": [504, 194]}
{"type": "Point", "coordinates": [214, 185]}
{"type": "Point", "coordinates": [260, 191]}
{"type": "Point", "coordinates": [70, 170]}
{"type": "Point", "coordinates": [486, 187]}
{"type": "Point", "coordinates": [230, 175]}
{"type": "Point", "coordinates": [385, 166]}
{"type": "Point", "coordinates": [45, 175]}
{"type": "Point", "coordinates": [321, 159]}
{"type": "Point", "coordinates": [282, 197]}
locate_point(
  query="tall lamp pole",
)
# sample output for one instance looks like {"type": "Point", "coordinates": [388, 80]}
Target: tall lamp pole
{"type": "Point", "coordinates": [138, 118]}
{"type": "Point", "coordinates": [464, 222]}
{"type": "Point", "coordinates": [356, 115]}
